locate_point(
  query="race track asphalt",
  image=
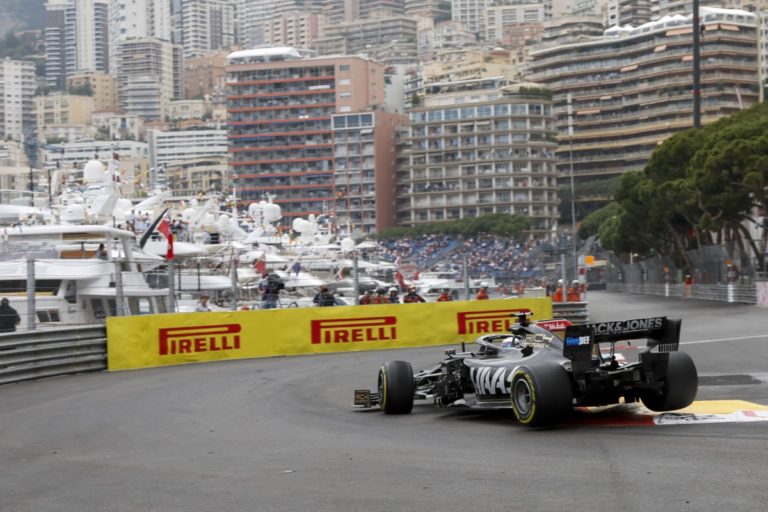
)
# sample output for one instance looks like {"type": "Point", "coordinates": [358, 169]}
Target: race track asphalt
{"type": "Point", "coordinates": [279, 435]}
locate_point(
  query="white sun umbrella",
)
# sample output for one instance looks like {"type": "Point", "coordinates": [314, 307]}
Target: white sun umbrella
{"type": "Point", "coordinates": [367, 244]}
{"type": "Point", "coordinates": [300, 280]}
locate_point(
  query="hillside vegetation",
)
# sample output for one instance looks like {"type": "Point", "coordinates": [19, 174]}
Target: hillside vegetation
{"type": "Point", "coordinates": [21, 15]}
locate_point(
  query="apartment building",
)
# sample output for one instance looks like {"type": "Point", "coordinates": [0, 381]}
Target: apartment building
{"type": "Point", "coordinates": [500, 17]}
{"type": "Point", "coordinates": [389, 40]}
{"type": "Point", "coordinates": [364, 164]}
{"type": "Point", "coordinates": [628, 12]}
{"type": "Point", "coordinates": [438, 10]}
{"type": "Point", "coordinates": [17, 106]}
{"type": "Point", "coordinates": [471, 13]}
{"type": "Point", "coordinates": [76, 39]}
{"type": "Point", "coordinates": [100, 86]}
{"type": "Point", "coordinates": [190, 177]}
{"type": "Point", "coordinates": [207, 26]}
{"type": "Point", "coordinates": [280, 109]}
{"type": "Point", "coordinates": [59, 114]}
{"type": "Point", "coordinates": [204, 75]}
{"type": "Point", "coordinates": [148, 77]}
{"type": "Point", "coordinates": [626, 92]}
{"type": "Point", "coordinates": [171, 148]}
{"type": "Point", "coordinates": [299, 29]}
{"type": "Point", "coordinates": [135, 19]}
{"type": "Point", "coordinates": [478, 147]}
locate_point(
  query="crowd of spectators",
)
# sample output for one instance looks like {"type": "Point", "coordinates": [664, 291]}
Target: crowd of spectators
{"type": "Point", "coordinates": [488, 256]}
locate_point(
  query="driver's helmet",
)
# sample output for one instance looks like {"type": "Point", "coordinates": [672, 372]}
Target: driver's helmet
{"type": "Point", "coordinates": [508, 342]}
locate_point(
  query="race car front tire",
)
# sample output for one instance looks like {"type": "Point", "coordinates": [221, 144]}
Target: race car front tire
{"type": "Point", "coordinates": [541, 395]}
{"type": "Point", "coordinates": [680, 386]}
{"type": "Point", "coordinates": [396, 387]}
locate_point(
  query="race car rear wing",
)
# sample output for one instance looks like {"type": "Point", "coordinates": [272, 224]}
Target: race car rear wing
{"type": "Point", "coordinates": [661, 332]}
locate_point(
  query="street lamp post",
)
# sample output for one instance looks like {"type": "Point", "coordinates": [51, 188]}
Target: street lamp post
{"type": "Point", "coordinates": [573, 189]}
{"type": "Point", "coordinates": [696, 66]}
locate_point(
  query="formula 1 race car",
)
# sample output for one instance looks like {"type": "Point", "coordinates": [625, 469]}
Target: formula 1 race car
{"type": "Point", "coordinates": [541, 377]}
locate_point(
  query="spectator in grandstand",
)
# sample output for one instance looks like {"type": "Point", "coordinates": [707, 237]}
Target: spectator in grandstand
{"type": "Point", "coordinates": [482, 293]}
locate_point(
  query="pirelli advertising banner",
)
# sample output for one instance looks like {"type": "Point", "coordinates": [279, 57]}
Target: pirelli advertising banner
{"type": "Point", "coordinates": [159, 340]}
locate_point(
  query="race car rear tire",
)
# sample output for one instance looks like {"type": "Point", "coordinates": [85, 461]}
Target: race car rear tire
{"type": "Point", "coordinates": [541, 395]}
{"type": "Point", "coordinates": [396, 387]}
{"type": "Point", "coordinates": [680, 387]}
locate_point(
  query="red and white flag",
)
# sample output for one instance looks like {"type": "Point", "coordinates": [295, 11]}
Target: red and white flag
{"type": "Point", "coordinates": [165, 229]}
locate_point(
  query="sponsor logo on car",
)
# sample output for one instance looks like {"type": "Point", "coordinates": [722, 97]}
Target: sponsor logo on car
{"type": "Point", "coordinates": [554, 325]}
{"type": "Point", "coordinates": [201, 338]}
{"type": "Point", "coordinates": [490, 381]}
{"type": "Point", "coordinates": [485, 322]}
{"type": "Point", "coordinates": [628, 326]}
{"type": "Point", "coordinates": [346, 330]}
{"type": "Point", "coordinates": [577, 341]}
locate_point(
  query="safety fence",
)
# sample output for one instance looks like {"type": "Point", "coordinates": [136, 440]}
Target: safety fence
{"type": "Point", "coordinates": [740, 293]}
{"type": "Point", "coordinates": [49, 353]}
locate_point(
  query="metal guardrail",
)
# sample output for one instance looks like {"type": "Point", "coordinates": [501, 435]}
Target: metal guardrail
{"type": "Point", "coordinates": [31, 355]}
{"type": "Point", "coordinates": [740, 293]}
{"type": "Point", "coordinates": [574, 312]}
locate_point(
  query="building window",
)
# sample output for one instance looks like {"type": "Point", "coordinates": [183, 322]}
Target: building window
{"type": "Point", "coordinates": [344, 67]}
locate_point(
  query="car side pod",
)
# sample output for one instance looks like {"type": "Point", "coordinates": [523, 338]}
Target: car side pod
{"type": "Point", "coordinates": [541, 395]}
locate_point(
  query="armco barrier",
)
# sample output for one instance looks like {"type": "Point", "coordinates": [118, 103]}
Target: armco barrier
{"type": "Point", "coordinates": [574, 312]}
{"type": "Point", "coordinates": [30, 355]}
{"type": "Point", "coordinates": [741, 293]}
{"type": "Point", "coordinates": [160, 340]}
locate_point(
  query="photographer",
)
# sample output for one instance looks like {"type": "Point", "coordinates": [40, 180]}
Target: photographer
{"type": "Point", "coordinates": [270, 288]}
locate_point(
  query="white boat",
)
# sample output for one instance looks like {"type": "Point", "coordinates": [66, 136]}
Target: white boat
{"type": "Point", "coordinates": [72, 284]}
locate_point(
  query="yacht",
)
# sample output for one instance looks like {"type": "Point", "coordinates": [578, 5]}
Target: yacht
{"type": "Point", "coordinates": [81, 273]}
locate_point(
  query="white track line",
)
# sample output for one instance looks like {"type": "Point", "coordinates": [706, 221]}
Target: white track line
{"type": "Point", "coordinates": [740, 338]}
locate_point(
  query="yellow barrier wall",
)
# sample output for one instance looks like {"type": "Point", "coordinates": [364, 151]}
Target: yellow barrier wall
{"type": "Point", "coordinates": [160, 340]}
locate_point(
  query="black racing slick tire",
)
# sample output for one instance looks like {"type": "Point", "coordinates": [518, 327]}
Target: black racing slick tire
{"type": "Point", "coordinates": [396, 387]}
{"type": "Point", "coordinates": [541, 395]}
{"type": "Point", "coordinates": [680, 386]}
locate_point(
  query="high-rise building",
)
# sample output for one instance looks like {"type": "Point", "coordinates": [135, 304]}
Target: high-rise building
{"type": "Point", "coordinates": [499, 17]}
{"type": "Point", "coordinates": [280, 118]}
{"type": "Point", "coordinates": [146, 82]}
{"type": "Point", "coordinates": [17, 108]}
{"type": "Point", "coordinates": [137, 18]}
{"type": "Point", "coordinates": [76, 39]}
{"type": "Point", "coordinates": [471, 13]}
{"type": "Point", "coordinates": [478, 147]}
{"type": "Point", "coordinates": [365, 175]}
{"type": "Point", "coordinates": [207, 26]}
{"type": "Point", "coordinates": [387, 40]}
{"type": "Point", "coordinates": [628, 12]}
{"type": "Point", "coordinates": [618, 96]}
{"type": "Point", "coordinates": [298, 29]}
